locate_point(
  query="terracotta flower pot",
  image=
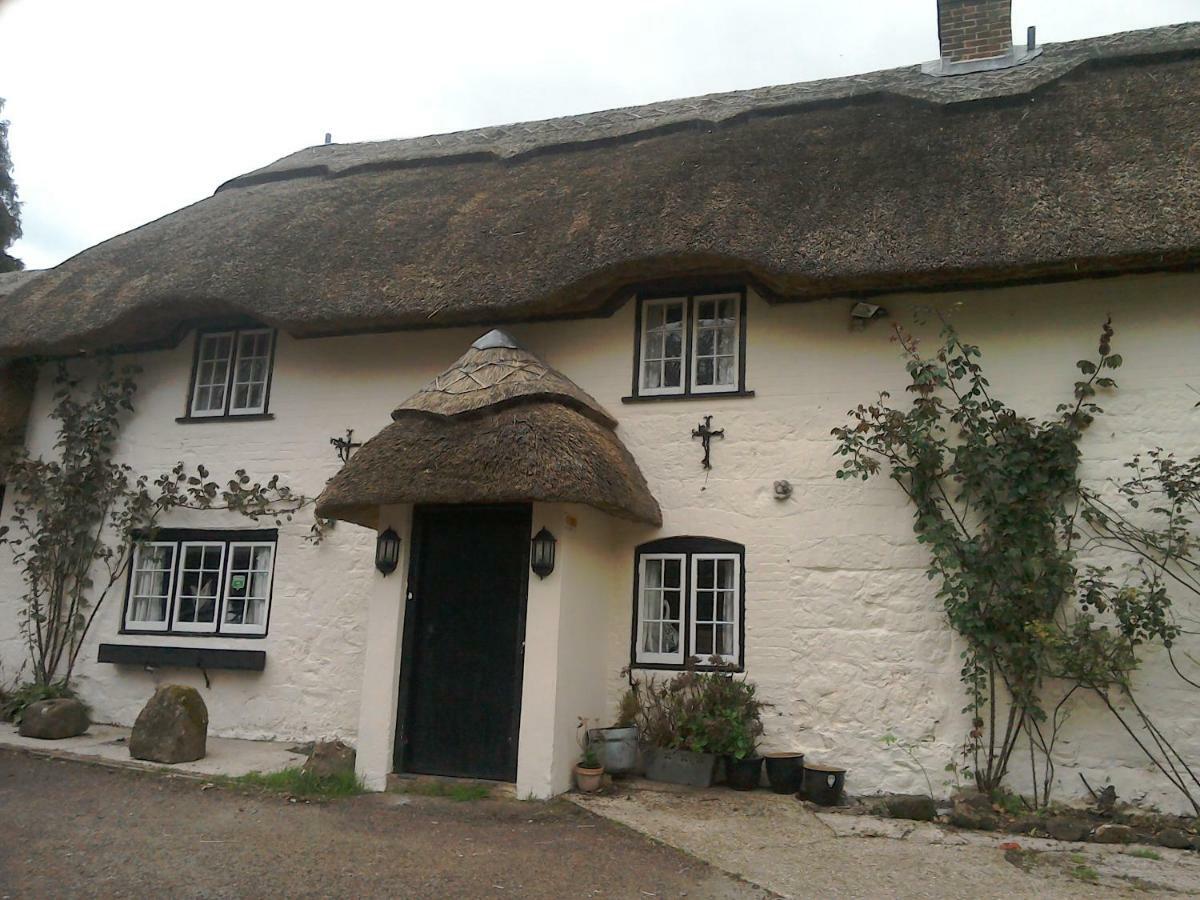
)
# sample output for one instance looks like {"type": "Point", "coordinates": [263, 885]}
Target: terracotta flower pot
{"type": "Point", "coordinates": [588, 780]}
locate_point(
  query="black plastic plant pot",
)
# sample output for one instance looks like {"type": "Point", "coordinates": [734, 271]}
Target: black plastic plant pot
{"type": "Point", "coordinates": [785, 772]}
{"type": "Point", "coordinates": [743, 774]}
{"type": "Point", "coordinates": [823, 785]}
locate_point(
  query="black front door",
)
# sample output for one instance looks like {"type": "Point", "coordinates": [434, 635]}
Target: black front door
{"type": "Point", "coordinates": [460, 689]}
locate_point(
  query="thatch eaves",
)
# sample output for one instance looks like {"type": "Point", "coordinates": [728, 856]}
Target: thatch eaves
{"type": "Point", "coordinates": [521, 432]}
{"type": "Point", "coordinates": [1080, 163]}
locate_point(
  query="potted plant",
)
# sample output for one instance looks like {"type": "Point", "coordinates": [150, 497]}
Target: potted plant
{"type": "Point", "coordinates": [589, 771]}
{"type": "Point", "coordinates": [785, 771]}
{"type": "Point", "coordinates": [617, 746]}
{"type": "Point", "coordinates": [691, 720]}
{"type": "Point", "coordinates": [733, 716]}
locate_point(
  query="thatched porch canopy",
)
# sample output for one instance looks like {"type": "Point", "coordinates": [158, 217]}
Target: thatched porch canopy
{"type": "Point", "coordinates": [498, 426]}
{"type": "Point", "coordinates": [1081, 162]}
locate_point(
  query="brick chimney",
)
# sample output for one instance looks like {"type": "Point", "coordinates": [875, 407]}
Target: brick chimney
{"type": "Point", "coordinates": [976, 36]}
{"type": "Point", "coordinates": [974, 29]}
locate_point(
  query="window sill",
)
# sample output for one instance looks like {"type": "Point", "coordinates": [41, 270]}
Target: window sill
{"type": "Point", "coordinates": [713, 395]}
{"type": "Point", "coordinates": [683, 667]}
{"type": "Point", "coordinates": [250, 417]}
{"type": "Point", "coordinates": [182, 657]}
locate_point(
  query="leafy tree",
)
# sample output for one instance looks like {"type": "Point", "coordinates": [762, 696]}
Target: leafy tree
{"type": "Point", "coordinates": [10, 209]}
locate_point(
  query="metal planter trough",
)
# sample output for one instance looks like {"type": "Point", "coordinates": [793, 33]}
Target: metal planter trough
{"type": "Point", "coordinates": [680, 766]}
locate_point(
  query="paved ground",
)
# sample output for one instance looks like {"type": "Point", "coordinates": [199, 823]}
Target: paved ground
{"type": "Point", "coordinates": [780, 845]}
{"type": "Point", "coordinates": [69, 829]}
{"type": "Point", "coordinates": [110, 743]}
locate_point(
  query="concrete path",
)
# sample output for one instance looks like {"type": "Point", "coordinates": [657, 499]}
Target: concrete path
{"type": "Point", "coordinates": [778, 844]}
{"type": "Point", "coordinates": [109, 745]}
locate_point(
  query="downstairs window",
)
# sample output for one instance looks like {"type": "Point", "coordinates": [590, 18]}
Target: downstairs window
{"type": "Point", "coordinates": [185, 581]}
{"type": "Point", "coordinates": [689, 600]}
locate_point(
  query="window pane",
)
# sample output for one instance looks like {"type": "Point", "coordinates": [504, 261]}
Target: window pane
{"type": "Point", "coordinates": [674, 344]}
{"type": "Point", "coordinates": [724, 569]}
{"type": "Point", "coordinates": [654, 316]}
{"type": "Point", "coordinates": [250, 374]}
{"type": "Point", "coordinates": [199, 584]}
{"type": "Point", "coordinates": [654, 573]}
{"type": "Point", "coordinates": [725, 370]}
{"type": "Point", "coordinates": [672, 573]}
{"type": "Point", "coordinates": [704, 371]}
{"type": "Point", "coordinates": [704, 573]}
{"type": "Point", "coordinates": [671, 603]}
{"type": "Point", "coordinates": [670, 638]}
{"type": "Point", "coordinates": [654, 346]}
{"type": "Point", "coordinates": [725, 640]}
{"type": "Point", "coordinates": [704, 606]}
{"type": "Point", "coordinates": [704, 642]}
{"type": "Point", "coordinates": [212, 372]}
{"type": "Point", "coordinates": [256, 612]}
{"type": "Point", "coordinates": [650, 636]}
{"type": "Point", "coordinates": [675, 313]}
{"type": "Point", "coordinates": [671, 374]}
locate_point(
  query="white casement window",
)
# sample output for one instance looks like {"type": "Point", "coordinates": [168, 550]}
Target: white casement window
{"type": "Point", "coordinates": [664, 346]}
{"type": "Point", "coordinates": [690, 345]}
{"type": "Point", "coordinates": [250, 373]}
{"type": "Point", "coordinates": [152, 580]}
{"type": "Point", "coordinates": [199, 593]}
{"type": "Point", "coordinates": [715, 338]}
{"type": "Point", "coordinates": [248, 588]}
{"type": "Point", "coordinates": [689, 603]}
{"type": "Point", "coordinates": [197, 582]}
{"type": "Point", "coordinates": [211, 383]}
{"type": "Point", "coordinates": [660, 609]}
{"type": "Point", "coordinates": [715, 604]}
{"type": "Point", "coordinates": [232, 374]}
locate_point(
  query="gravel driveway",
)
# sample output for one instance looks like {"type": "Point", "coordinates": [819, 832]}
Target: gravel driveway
{"type": "Point", "coordinates": [69, 829]}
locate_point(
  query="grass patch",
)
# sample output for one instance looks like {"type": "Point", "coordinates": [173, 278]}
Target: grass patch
{"type": "Point", "coordinates": [1145, 853]}
{"type": "Point", "coordinates": [457, 791]}
{"type": "Point", "coordinates": [1078, 858]}
{"type": "Point", "coordinates": [297, 783]}
{"type": "Point", "coordinates": [1086, 873]}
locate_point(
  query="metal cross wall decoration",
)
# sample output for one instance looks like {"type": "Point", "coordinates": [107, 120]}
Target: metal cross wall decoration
{"type": "Point", "coordinates": [345, 446]}
{"type": "Point", "coordinates": [705, 432]}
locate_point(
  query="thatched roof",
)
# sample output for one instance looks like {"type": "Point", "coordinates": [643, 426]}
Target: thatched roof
{"type": "Point", "coordinates": [498, 426]}
{"type": "Point", "coordinates": [1081, 162]}
{"type": "Point", "coordinates": [495, 371]}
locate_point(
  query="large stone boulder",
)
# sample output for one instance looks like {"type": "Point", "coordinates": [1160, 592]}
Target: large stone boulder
{"type": "Point", "coordinates": [53, 720]}
{"type": "Point", "coordinates": [330, 758]}
{"type": "Point", "coordinates": [172, 727]}
{"type": "Point", "coordinates": [973, 810]}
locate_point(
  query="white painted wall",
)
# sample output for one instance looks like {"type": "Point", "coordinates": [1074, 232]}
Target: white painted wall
{"type": "Point", "coordinates": [843, 633]}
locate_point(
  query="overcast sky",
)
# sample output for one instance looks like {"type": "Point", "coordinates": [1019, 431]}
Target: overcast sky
{"type": "Point", "coordinates": [123, 110]}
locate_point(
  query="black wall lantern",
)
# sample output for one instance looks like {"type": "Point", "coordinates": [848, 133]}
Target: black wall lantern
{"type": "Point", "coordinates": [541, 556]}
{"type": "Point", "coordinates": [387, 551]}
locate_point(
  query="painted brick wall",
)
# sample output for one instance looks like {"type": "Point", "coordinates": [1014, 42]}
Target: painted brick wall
{"type": "Point", "coordinates": [843, 632]}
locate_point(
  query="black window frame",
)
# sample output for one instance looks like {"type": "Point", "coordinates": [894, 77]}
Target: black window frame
{"type": "Point", "coordinates": [688, 546]}
{"type": "Point", "coordinates": [230, 415]}
{"type": "Point", "coordinates": [689, 297]}
{"type": "Point", "coordinates": [178, 536]}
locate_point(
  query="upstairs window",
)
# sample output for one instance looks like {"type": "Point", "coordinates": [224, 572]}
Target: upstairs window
{"type": "Point", "coordinates": [688, 602]}
{"type": "Point", "coordinates": [690, 346]}
{"type": "Point", "coordinates": [202, 582]}
{"type": "Point", "coordinates": [232, 373]}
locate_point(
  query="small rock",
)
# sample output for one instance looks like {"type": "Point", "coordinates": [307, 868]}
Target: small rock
{"type": "Point", "coordinates": [330, 758]}
{"type": "Point", "coordinates": [1114, 834]}
{"type": "Point", "coordinates": [53, 720]}
{"type": "Point", "coordinates": [172, 727]}
{"type": "Point", "coordinates": [1175, 838]}
{"type": "Point", "coordinates": [1064, 828]}
{"type": "Point", "coordinates": [911, 806]}
{"type": "Point", "coordinates": [973, 810]}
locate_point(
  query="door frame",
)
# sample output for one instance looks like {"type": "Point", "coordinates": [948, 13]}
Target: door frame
{"type": "Point", "coordinates": [420, 512]}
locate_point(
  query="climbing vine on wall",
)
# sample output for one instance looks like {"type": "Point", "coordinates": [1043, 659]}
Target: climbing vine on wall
{"type": "Point", "coordinates": [77, 516]}
{"type": "Point", "coordinates": [999, 505]}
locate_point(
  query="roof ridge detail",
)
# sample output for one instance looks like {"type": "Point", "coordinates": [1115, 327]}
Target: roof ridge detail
{"type": "Point", "coordinates": [520, 138]}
